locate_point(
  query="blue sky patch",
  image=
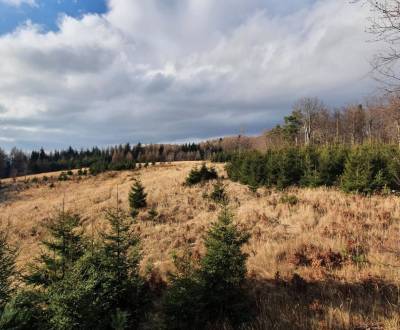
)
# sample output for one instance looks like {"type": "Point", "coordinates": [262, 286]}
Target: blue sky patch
{"type": "Point", "coordinates": [46, 12]}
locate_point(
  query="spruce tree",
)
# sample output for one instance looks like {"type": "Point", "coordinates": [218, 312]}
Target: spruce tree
{"type": "Point", "coordinates": [213, 291]}
{"type": "Point", "coordinates": [63, 247]}
{"type": "Point", "coordinates": [103, 285]}
{"type": "Point", "coordinates": [223, 271]}
{"type": "Point", "coordinates": [121, 257]}
{"type": "Point", "coordinates": [7, 270]}
{"type": "Point", "coordinates": [137, 198]}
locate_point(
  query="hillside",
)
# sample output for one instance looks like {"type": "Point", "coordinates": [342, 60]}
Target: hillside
{"type": "Point", "coordinates": [344, 248]}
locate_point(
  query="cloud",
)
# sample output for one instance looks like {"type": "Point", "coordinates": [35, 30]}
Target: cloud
{"type": "Point", "coordinates": [172, 70]}
{"type": "Point", "coordinates": [17, 3]}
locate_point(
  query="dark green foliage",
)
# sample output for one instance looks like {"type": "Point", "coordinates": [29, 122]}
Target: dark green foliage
{"type": "Point", "coordinates": [137, 198]}
{"type": "Point", "coordinates": [102, 285]}
{"type": "Point", "coordinates": [153, 214]}
{"type": "Point", "coordinates": [24, 312]}
{"type": "Point", "coordinates": [292, 127]}
{"type": "Point", "coordinates": [201, 175]}
{"type": "Point", "coordinates": [62, 249]}
{"type": "Point", "coordinates": [213, 291]}
{"type": "Point", "coordinates": [363, 169]}
{"type": "Point", "coordinates": [63, 176]}
{"type": "Point", "coordinates": [369, 169]}
{"type": "Point", "coordinates": [7, 270]}
{"type": "Point", "coordinates": [98, 167]}
{"type": "Point", "coordinates": [218, 194]}
{"type": "Point", "coordinates": [121, 261]}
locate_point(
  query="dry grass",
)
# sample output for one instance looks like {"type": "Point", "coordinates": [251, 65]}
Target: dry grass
{"type": "Point", "coordinates": [345, 249]}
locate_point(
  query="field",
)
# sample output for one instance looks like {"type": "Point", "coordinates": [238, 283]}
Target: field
{"type": "Point", "coordinates": [318, 258]}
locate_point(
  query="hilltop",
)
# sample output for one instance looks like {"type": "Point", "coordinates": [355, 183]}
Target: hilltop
{"type": "Point", "coordinates": [318, 258]}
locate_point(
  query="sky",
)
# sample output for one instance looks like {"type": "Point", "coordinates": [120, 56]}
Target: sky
{"type": "Point", "coordinates": [84, 73]}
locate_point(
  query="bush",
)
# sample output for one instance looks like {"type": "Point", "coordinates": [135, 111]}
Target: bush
{"type": "Point", "coordinates": [218, 194]}
{"type": "Point", "coordinates": [289, 199]}
{"type": "Point", "coordinates": [63, 176]}
{"type": "Point", "coordinates": [201, 175]}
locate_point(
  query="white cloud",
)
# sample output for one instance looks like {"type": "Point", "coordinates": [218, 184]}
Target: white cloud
{"type": "Point", "coordinates": [161, 70]}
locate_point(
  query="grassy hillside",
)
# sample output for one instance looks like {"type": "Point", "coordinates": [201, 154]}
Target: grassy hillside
{"type": "Point", "coordinates": [318, 258]}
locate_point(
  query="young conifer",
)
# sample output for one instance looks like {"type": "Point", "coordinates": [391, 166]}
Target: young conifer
{"type": "Point", "coordinates": [137, 198]}
{"type": "Point", "coordinates": [7, 270]}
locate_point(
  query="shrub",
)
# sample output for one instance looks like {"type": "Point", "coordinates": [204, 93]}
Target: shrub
{"type": "Point", "coordinates": [201, 175]}
{"type": "Point", "coordinates": [218, 194]}
{"type": "Point", "coordinates": [289, 199]}
{"type": "Point", "coordinates": [153, 214]}
{"type": "Point", "coordinates": [63, 176]}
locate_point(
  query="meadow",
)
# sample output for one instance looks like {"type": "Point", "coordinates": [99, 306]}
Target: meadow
{"type": "Point", "coordinates": [318, 258]}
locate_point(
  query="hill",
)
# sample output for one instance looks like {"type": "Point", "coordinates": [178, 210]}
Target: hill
{"type": "Point", "coordinates": [319, 258]}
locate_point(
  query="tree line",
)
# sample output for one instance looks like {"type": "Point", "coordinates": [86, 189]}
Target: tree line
{"type": "Point", "coordinates": [367, 168]}
{"type": "Point", "coordinates": [19, 163]}
{"type": "Point", "coordinates": [312, 122]}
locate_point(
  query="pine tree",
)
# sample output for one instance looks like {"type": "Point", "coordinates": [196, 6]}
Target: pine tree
{"type": "Point", "coordinates": [62, 249]}
{"type": "Point", "coordinates": [137, 198]}
{"type": "Point", "coordinates": [7, 270]}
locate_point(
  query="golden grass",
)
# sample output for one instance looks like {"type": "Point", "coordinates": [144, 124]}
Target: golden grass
{"type": "Point", "coordinates": [353, 295]}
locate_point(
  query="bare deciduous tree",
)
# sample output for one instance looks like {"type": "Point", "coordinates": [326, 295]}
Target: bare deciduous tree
{"type": "Point", "coordinates": [385, 26]}
{"type": "Point", "coordinates": [309, 108]}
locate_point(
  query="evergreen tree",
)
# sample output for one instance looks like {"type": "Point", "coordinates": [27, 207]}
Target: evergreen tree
{"type": "Point", "coordinates": [137, 198]}
{"type": "Point", "coordinates": [357, 176]}
{"type": "Point", "coordinates": [24, 312]}
{"type": "Point", "coordinates": [62, 249]}
{"type": "Point", "coordinates": [201, 175]}
{"type": "Point", "coordinates": [121, 257]}
{"type": "Point", "coordinates": [218, 194]}
{"type": "Point", "coordinates": [7, 270]}
{"type": "Point", "coordinates": [103, 285]}
{"type": "Point", "coordinates": [223, 271]}
{"type": "Point", "coordinates": [213, 291]}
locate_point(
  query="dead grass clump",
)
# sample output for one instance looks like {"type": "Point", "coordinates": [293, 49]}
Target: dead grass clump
{"type": "Point", "coordinates": [311, 255]}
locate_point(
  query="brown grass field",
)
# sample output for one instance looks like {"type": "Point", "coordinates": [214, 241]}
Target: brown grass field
{"type": "Point", "coordinates": [323, 260]}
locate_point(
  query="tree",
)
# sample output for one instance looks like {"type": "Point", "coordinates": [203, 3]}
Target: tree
{"type": "Point", "coordinates": [292, 127]}
{"type": "Point", "coordinates": [24, 312]}
{"type": "Point", "coordinates": [201, 175]}
{"type": "Point", "coordinates": [308, 108]}
{"type": "Point", "coordinates": [121, 257]}
{"type": "Point", "coordinates": [212, 290]}
{"type": "Point", "coordinates": [385, 26]}
{"type": "Point", "coordinates": [103, 287]}
{"type": "Point", "coordinates": [7, 270]}
{"type": "Point", "coordinates": [137, 198]}
{"type": "Point", "coordinates": [63, 248]}
{"type": "Point", "coordinates": [3, 164]}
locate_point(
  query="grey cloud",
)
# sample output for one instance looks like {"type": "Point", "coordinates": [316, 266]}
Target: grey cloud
{"type": "Point", "coordinates": [153, 71]}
